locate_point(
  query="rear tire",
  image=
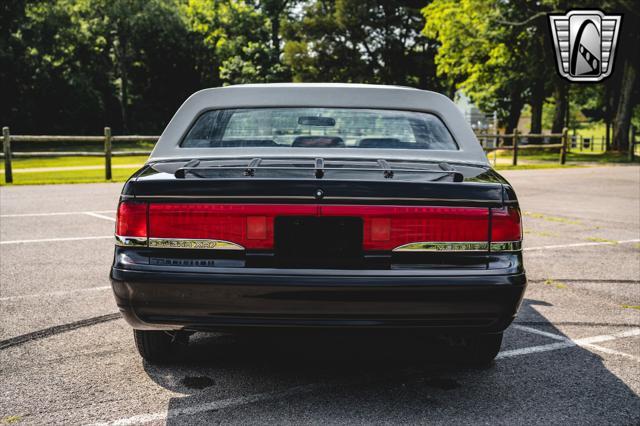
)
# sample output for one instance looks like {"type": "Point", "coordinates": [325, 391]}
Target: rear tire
{"type": "Point", "coordinates": [155, 347]}
{"type": "Point", "coordinates": [483, 348]}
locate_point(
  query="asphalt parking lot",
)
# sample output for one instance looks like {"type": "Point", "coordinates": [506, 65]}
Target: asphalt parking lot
{"type": "Point", "coordinates": [573, 355]}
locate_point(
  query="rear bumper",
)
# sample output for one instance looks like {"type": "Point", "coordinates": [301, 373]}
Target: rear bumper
{"type": "Point", "coordinates": [254, 298]}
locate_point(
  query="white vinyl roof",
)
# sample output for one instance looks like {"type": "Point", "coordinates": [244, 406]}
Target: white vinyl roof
{"type": "Point", "coordinates": [319, 95]}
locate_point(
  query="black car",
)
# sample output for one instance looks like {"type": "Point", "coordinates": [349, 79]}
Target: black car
{"type": "Point", "coordinates": [319, 206]}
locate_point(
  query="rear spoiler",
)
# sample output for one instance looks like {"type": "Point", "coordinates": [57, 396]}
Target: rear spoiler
{"type": "Point", "coordinates": [319, 166]}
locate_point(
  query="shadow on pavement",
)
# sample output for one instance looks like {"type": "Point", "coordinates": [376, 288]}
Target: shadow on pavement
{"type": "Point", "coordinates": [399, 379]}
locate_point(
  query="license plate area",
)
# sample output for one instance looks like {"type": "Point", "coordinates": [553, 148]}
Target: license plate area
{"type": "Point", "coordinates": [318, 240]}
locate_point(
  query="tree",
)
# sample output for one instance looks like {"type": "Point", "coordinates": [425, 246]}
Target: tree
{"type": "Point", "coordinates": [370, 41]}
{"type": "Point", "coordinates": [471, 56]}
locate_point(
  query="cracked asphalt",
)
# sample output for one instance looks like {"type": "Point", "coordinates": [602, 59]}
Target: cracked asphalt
{"type": "Point", "coordinates": [572, 357]}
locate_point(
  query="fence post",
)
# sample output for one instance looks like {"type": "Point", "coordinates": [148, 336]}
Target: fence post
{"type": "Point", "coordinates": [563, 148]}
{"type": "Point", "coordinates": [632, 142]}
{"type": "Point", "coordinates": [6, 148]}
{"type": "Point", "coordinates": [107, 153]}
{"type": "Point", "coordinates": [515, 147]}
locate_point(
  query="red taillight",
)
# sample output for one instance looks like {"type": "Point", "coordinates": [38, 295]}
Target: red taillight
{"type": "Point", "coordinates": [506, 224]}
{"type": "Point", "coordinates": [132, 219]}
{"type": "Point", "coordinates": [388, 227]}
{"type": "Point", "coordinates": [249, 225]}
{"type": "Point", "coordinates": [385, 228]}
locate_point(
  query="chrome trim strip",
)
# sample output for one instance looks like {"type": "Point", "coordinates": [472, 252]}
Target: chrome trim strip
{"type": "Point", "coordinates": [298, 197]}
{"type": "Point", "coordinates": [442, 247]}
{"type": "Point", "coordinates": [200, 244]}
{"type": "Point", "coordinates": [216, 197]}
{"type": "Point", "coordinates": [506, 246]}
{"type": "Point", "coordinates": [130, 241]}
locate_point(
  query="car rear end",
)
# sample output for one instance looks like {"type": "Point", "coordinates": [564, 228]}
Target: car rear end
{"type": "Point", "coordinates": [307, 241]}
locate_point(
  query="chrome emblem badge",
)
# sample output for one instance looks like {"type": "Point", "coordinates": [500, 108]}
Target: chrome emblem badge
{"type": "Point", "coordinates": [585, 43]}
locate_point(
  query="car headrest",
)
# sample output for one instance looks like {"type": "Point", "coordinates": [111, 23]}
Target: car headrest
{"type": "Point", "coordinates": [380, 143]}
{"type": "Point", "coordinates": [317, 142]}
{"type": "Point", "coordinates": [230, 143]}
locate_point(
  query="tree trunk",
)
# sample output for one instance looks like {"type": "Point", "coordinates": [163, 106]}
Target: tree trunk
{"type": "Point", "coordinates": [275, 37]}
{"type": "Point", "coordinates": [515, 108]}
{"type": "Point", "coordinates": [121, 57]}
{"type": "Point", "coordinates": [537, 100]}
{"type": "Point", "coordinates": [622, 117]}
{"type": "Point", "coordinates": [560, 95]}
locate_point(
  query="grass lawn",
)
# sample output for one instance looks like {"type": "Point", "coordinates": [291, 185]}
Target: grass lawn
{"type": "Point", "coordinates": [28, 163]}
{"type": "Point", "coordinates": [72, 176]}
{"type": "Point", "coordinates": [553, 156]}
{"type": "Point", "coordinates": [529, 159]}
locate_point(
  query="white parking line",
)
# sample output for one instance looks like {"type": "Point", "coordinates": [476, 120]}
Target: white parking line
{"type": "Point", "coordinates": [54, 213]}
{"type": "Point", "coordinates": [610, 351]}
{"type": "Point", "coordinates": [565, 342]}
{"type": "Point", "coordinates": [163, 416]}
{"type": "Point", "coordinates": [52, 240]}
{"type": "Point", "coordinates": [53, 293]}
{"type": "Point", "coordinates": [599, 243]}
{"type": "Point", "coordinates": [540, 332]}
{"type": "Point", "coordinates": [100, 216]}
{"type": "Point", "coordinates": [209, 406]}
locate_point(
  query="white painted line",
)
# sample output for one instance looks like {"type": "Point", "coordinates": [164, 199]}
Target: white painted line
{"type": "Point", "coordinates": [162, 416]}
{"type": "Point", "coordinates": [608, 337]}
{"type": "Point", "coordinates": [540, 332]}
{"type": "Point", "coordinates": [567, 343]}
{"type": "Point", "coordinates": [52, 240]}
{"type": "Point", "coordinates": [599, 243]}
{"type": "Point", "coordinates": [535, 349]}
{"type": "Point", "coordinates": [610, 351]}
{"type": "Point", "coordinates": [53, 293]}
{"type": "Point", "coordinates": [54, 213]}
{"type": "Point", "coordinates": [100, 216]}
{"type": "Point", "coordinates": [209, 406]}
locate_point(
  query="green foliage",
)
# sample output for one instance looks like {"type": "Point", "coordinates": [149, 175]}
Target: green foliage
{"type": "Point", "coordinates": [492, 62]}
{"type": "Point", "coordinates": [75, 66]}
{"type": "Point", "coordinates": [370, 41]}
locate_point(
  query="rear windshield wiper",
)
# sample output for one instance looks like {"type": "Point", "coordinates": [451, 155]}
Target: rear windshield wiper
{"type": "Point", "coordinates": [182, 171]}
{"type": "Point", "coordinates": [457, 176]}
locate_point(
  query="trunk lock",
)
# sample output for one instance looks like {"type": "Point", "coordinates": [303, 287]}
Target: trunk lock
{"type": "Point", "coordinates": [319, 194]}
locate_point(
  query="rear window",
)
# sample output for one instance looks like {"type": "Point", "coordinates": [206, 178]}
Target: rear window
{"type": "Point", "coordinates": [319, 128]}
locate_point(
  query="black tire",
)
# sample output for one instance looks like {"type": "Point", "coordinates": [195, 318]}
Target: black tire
{"type": "Point", "coordinates": [483, 348]}
{"type": "Point", "coordinates": [155, 347]}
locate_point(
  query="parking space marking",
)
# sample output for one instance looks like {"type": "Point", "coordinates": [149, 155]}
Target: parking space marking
{"type": "Point", "coordinates": [610, 351]}
{"type": "Point", "coordinates": [100, 216]}
{"type": "Point", "coordinates": [566, 342]}
{"type": "Point", "coordinates": [294, 391]}
{"type": "Point", "coordinates": [540, 332]}
{"type": "Point", "coordinates": [54, 213]}
{"type": "Point", "coordinates": [210, 406]}
{"type": "Point", "coordinates": [599, 243]}
{"type": "Point", "coordinates": [51, 240]}
{"type": "Point", "coordinates": [53, 293]}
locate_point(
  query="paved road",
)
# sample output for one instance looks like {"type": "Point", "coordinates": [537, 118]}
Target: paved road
{"type": "Point", "coordinates": [572, 357]}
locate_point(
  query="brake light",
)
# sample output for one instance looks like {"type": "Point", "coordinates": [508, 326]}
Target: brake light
{"type": "Point", "coordinates": [385, 228]}
{"type": "Point", "coordinates": [390, 227]}
{"type": "Point", "coordinates": [247, 225]}
{"type": "Point", "coordinates": [131, 220]}
{"type": "Point", "coordinates": [506, 224]}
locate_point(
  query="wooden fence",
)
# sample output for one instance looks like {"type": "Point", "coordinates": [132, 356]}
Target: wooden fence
{"type": "Point", "coordinates": [516, 138]}
{"type": "Point", "coordinates": [497, 144]}
{"type": "Point", "coordinates": [107, 140]}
